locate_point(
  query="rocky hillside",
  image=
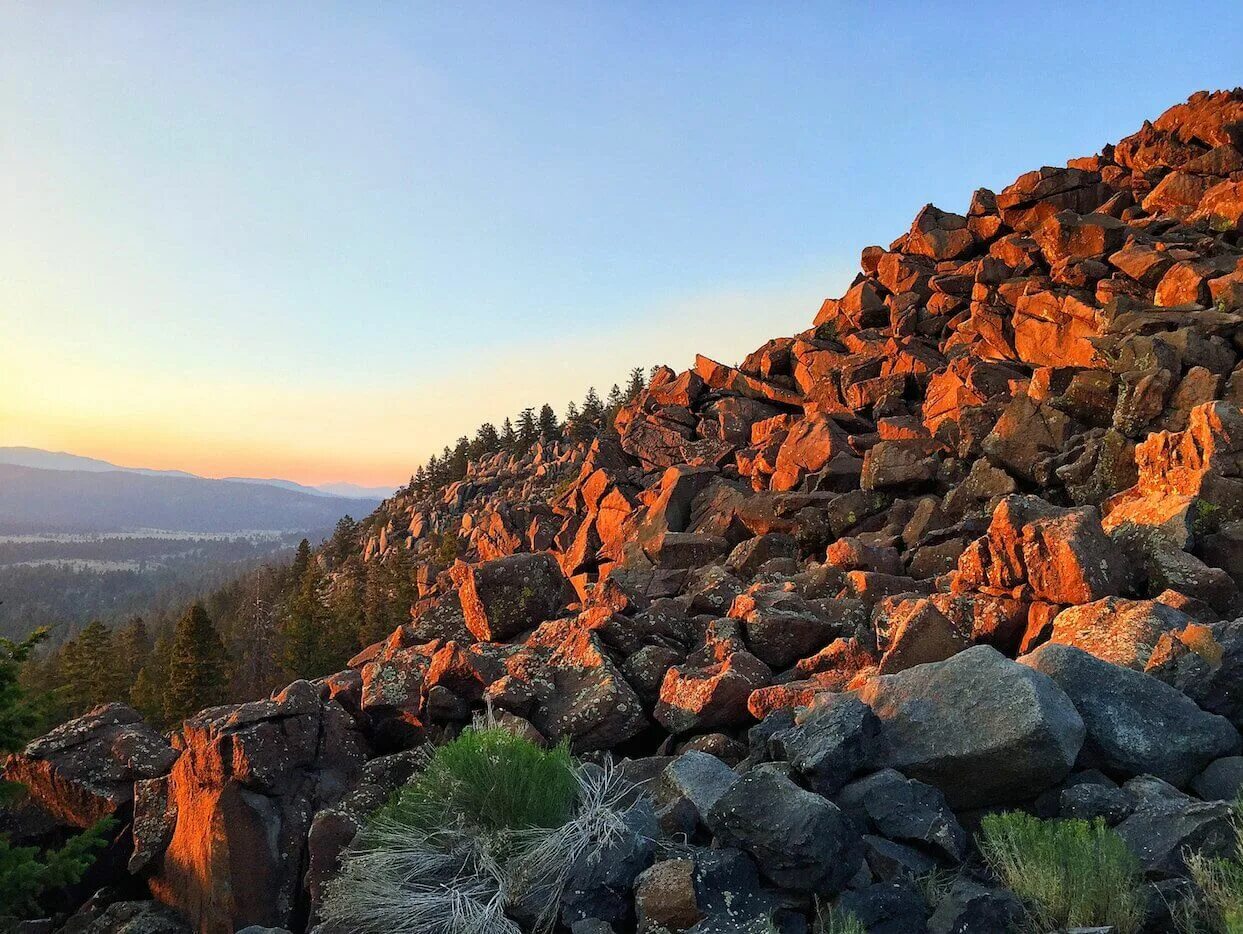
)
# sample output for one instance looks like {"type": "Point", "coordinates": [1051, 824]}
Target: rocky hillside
{"type": "Point", "coordinates": [974, 540]}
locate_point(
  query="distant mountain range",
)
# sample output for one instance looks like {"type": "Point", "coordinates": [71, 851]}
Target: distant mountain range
{"type": "Point", "coordinates": [59, 460]}
{"type": "Point", "coordinates": [48, 491]}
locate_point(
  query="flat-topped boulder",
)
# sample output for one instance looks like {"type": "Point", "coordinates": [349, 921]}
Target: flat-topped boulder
{"type": "Point", "coordinates": [85, 769]}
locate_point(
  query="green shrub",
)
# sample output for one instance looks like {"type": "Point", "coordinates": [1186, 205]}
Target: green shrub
{"type": "Point", "coordinates": [490, 828]}
{"type": "Point", "coordinates": [495, 780]}
{"type": "Point", "coordinates": [1068, 873]}
{"type": "Point", "coordinates": [27, 874]}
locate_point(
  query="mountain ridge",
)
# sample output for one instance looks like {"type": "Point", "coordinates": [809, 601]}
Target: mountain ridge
{"type": "Point", "coordinates": [42, 459]}
{"type": "Point", "coordinates": [37, 500]}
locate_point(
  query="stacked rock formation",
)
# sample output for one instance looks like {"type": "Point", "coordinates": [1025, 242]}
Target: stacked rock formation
{"type": "Point", "coordinates": [973, 540]}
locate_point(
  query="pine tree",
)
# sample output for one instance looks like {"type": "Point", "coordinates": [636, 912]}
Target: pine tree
{"type": "Point", "coordinates": [196, 667]}
{"type": "Point", "coordinates": [587, 425]}
{"type": "Point", "coordinates": [528, 429]}
{"type": "Point", "coordinates": [571, 414]}
{"type": "Point", "coordinates": [19, 713]}
{"type": "Point", "coordinates": [343, 543]}
{"type": "Point", "coordinates": [509, 437]}
{"type": "Point", "coordinates": [593, 408]}
{"type": "Point", "coordinates": [26, 874]}
{"type": "Point", "coordinates": [99, 665]}
{"type": "Point", "coordinates": [301, 561]}
{"type": "Point", "coordinates": [636, 385]}
{"type": "Point", "coordinates": [548, 426]}
{"type": "Point", "coordinates": [148, 695]}
{"type": "Point", "coordinates": [132, 646]}
{"type": "Point", "coordinates": [487, 441]}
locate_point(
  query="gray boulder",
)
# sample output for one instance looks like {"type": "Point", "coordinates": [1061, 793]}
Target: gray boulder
{"type": "Point", "coordinates": [895, 907]}
{"type": "Point", "coordinates": [1135, 724]}
{"type": "Point", "coordinates": [600, 883]}
{"type": "Point", "coordinates": [503, 597]}
{"type": "Point", "coordinates": [1167, 825]}
{"type": "Point", "coordinates": [85, 769]}
{"type": "Point", "coordinates": [699, 778]}
{"type": "Point", "coordinates": [798, 839]}
{"type": "Point", "coordinates": [834, 742]}
{"type": "Point", "coordinates": [903, 809]}
{"type": "Point", "coordinates": [978, 726]}
{"type": "Point", "coordinates": [1221, 781]}
{"type": "Point", "coordinates": [971, 908]}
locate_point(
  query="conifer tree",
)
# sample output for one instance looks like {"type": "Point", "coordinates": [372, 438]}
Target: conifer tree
{"type": "Point", "coordinates": [528, 429]}
{"type": "Point", "coordinates": [486, 441]}
{"type": "Point", "coordinates": [548, 426]}
{"type": "Point", "coordinates": [636, 385]}
{"type": "Point", "coordinates": [587, 425]}
{"type": "Point", "coordinates": [132, 646]}
{"type": "Point", "coordinates": [301, 561]}
{"type": "Point", "coordinates": [197, 666]}
{"type": "Point", "coordinates": [571, 414]}
{"type": "Point", "coordinates": [26, 873]}
{"type": "Point", "coordinates": [509, 437]}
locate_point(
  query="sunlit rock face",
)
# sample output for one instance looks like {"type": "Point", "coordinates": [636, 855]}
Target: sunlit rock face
{"type": "Point", "coordinates": [238, 808]}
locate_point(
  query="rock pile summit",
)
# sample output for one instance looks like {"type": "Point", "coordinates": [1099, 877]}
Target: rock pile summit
{"type": "Point", "coordinates": [974, 539]}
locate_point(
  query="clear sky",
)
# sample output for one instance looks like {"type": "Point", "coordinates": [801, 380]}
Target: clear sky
{"type": "Point", "coordinates": [321, 241]}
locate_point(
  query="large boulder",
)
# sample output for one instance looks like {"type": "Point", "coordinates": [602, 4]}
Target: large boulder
{"type": "Point", "coordinates": [1135, 724]}
{"type": "Point", "coordinates": [799, 840]}
{"type": "Point", "coordinates": [712, 688]}
{"type": "Point", "coordinates": [903, 809]}
{"type": "Point", "coordinates": [85, 769]}
{"type": "Point", "coordinates": [239, 806]}
{"type": "Point", "coordinates": [1167, 826]}
{"type": "Point", "coordinates": [934, 728]}
{"type": "Point", "coordinates": [509, 595]}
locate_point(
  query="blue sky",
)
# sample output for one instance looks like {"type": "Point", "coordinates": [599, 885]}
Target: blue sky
{"type": "Point", "coordinates": [322, 241]}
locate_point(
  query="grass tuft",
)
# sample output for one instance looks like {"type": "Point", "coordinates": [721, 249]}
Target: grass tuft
{"type": "Point", "coordinates": [491, 827]}
{"type": "Point", "coordinates": [1068, 873]}
{"type": "Point", "coordinates": [1219, 908]}
{"type": "Point", "coordinates": [498, 781]}
{"type": "Point", "coordinates": [830, 920]}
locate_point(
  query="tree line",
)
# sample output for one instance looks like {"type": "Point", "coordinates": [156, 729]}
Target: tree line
{"type": "Point", "coordinates": [582, 422]}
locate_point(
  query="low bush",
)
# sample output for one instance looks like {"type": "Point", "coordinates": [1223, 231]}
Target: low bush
{"type": "Point", "coordinates": [1068, 873]}
{"type": "Point", "coordinates": [490, 829]}
{"type": "Point", "coordinates": [501, 782]}
{"type": "Point", "coordinates": [28, 874]}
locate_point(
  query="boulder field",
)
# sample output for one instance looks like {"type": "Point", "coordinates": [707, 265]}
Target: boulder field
{"type": "Point", "coordinates": [974, 540]}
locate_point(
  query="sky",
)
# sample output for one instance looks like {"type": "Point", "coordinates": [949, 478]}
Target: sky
{"type": "Point", "coordinates": [321, 241]}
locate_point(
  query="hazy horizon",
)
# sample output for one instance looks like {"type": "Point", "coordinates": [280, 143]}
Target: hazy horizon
{"type": "Point", "coordinates": [319, 243]}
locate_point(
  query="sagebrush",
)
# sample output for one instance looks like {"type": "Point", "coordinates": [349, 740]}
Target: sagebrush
{"type": "Point", "coordinates": [1068, 873]}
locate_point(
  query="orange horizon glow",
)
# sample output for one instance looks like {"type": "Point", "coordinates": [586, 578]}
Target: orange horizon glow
{"type": "Point", "coordinates": [237, 424]}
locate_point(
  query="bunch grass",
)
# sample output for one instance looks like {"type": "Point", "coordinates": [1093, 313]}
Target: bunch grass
{"type": "Point", "coordinates": [1067, 873]}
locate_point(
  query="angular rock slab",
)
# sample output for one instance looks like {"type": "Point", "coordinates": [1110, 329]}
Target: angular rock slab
{"type": "Point", "coordinates": [799, 840]}
{"type": "Point", "coordinates": [241, 800]}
